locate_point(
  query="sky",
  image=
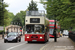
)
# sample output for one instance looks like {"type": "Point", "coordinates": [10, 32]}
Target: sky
{"type": "Point", "coordinates": [16, 6]}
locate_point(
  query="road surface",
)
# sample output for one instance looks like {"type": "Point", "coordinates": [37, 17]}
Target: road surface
{"type": "Point", "coordinates": [23, 45]}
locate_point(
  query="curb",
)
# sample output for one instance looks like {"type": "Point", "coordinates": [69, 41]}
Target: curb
{"type": "Point", "coordinates": [0, 38]}
{"type": "Point", "coordinates": [72, 41]}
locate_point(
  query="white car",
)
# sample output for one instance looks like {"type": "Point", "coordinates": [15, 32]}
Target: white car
{"type": "Point", "coordinates": [65, 33]}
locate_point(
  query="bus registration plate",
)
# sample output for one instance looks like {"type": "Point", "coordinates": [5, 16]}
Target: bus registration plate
{"type": "Point", "coordinates": [34, 40]}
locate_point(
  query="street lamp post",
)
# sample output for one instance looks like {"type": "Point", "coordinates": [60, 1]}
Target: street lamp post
{"type": "Point", "coordinates": [17, 27]}
{"type": "Point", "coordinates": [24, 24]}
{"type": "Point", "coordinates": [19, 23]}
{"type": "Point", "coordinates": [55, 36]}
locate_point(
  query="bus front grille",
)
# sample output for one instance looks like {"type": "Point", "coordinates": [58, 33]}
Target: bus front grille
{"type": "Point", "coordinates": [34, 36]}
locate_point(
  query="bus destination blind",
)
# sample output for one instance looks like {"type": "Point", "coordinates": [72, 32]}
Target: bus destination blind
{"type": "Point", "coordinates": [34, 20]}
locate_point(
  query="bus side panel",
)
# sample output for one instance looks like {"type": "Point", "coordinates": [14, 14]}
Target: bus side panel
{"type": "Point", "coordinates": [51, 35]}
{"type": "Point", "coordinates": [46, 36]}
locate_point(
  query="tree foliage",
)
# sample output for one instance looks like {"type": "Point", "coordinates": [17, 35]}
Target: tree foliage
{"type": "Point", "coordinates": [32, 6]}
{"type": "Point", "coordinates": [19, 18]}
{"type": "Point", "coordinates": [4, 18]}
{"type": "Point", "coordinates": [11, 17]}
{"type": "Point", "coordinates": [63, 11]}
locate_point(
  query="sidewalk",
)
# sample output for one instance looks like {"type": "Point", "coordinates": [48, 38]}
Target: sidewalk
{"type": "Point", "coordinates": [63, 43]}
{"type": "Point", "coordinates": [1, 36]}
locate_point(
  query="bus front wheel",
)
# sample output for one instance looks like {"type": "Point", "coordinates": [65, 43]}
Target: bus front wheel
{"type": "Point", "coordinates": [47, 40]}
{"type": "Point", "coordinates": [29, 41]}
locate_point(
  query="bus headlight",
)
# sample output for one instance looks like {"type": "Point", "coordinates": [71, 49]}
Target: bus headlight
{"type": "Point", "coordinates": [28, 37]}
{"type": "Point", "coordinates": [40, 37]}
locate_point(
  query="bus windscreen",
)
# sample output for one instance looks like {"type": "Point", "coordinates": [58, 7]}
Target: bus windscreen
{"type": "Point", "coordinates": [51, 31]}
{"type": "Point", "coordinates": [34, 29]}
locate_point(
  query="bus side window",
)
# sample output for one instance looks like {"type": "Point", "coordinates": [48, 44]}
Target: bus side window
{"type": "Point", "coordinates": [42, 29]}
{"type": "Point", "coordinates": [45, 29]}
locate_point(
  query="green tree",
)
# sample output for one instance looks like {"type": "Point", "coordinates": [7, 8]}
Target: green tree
{"type": "Point", "coordinates": [1, 14]}
{"type": "Point", "coordinates": [4, 19]}
{"type": "Point", "coordinates": [62, 10]}
{"type": "Point", "coordinates": [20, 18]}
{"type": "Point", "coordinates": [17, 21]}
{"type": "Point", "coordinates": [32, 6]}
{"type": "Point", "coordinates": [11, 16]}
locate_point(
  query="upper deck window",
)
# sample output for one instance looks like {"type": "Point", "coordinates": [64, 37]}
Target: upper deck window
{"type": "Point", "coordinates": [52, 22]}
{"type": "Point", "coordinates": [35, 13]}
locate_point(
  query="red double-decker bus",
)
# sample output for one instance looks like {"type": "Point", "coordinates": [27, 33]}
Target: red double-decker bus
{"type": "Point", "coordinates": [51, 28]}
{"type": "Point", "coordinates": [36, 25]}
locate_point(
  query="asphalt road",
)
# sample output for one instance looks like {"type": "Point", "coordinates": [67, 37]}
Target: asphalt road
{"type": "Point", "coordinates": [23, 45]}
{"type": "Point", "coordinates": [51, 45]}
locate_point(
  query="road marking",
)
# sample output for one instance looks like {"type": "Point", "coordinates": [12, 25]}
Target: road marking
{"type": "Point", "coordinates": [59, 49]}
{"type": "Point", "coordinates": [43, 47]}
{"type": "Point", "coordinates": [46, 45]}
{"type": "Point", "coordinates": [15, 46]}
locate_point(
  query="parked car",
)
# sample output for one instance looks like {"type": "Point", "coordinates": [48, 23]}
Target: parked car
{"type": "Point", "coordinates": [12, 36]}
{"type": "Point", "coordinates": [65, 33]}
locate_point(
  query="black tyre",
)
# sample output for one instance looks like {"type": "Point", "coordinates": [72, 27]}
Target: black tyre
{"type": "Point", "coordinates": [16, 40]}
{"type": "Point", "coordinates": [20, 40]}
{"type": "Point", "coordinates": [4, 41]}
{"type": "Point", "coordinates": [28, 41]}
{"type": "Point", "coordinates": [47, 40]}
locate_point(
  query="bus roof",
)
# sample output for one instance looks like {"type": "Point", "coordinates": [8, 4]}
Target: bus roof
{"type": "Point", "coordinates": [51, 20]}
